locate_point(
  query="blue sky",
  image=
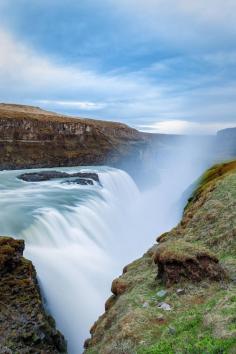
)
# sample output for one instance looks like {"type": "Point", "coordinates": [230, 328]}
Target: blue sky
{"type": "Point", "coordinates": [157, 65]}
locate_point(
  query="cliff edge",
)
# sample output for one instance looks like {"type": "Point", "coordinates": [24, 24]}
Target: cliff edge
{"type": "Point", "coordinates": [180, 297]}
{"type": "Point", "coordinates": [31, 137]}
{"type": "Point", "coordinates": [24, 325]}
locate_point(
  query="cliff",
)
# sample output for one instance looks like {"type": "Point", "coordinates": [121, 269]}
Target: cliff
{"type": "Point", "coordinates": [32, 137]}
{"type": "Point", "coordinates": [180, 297]}
{"type": "Point", "coordinates": [226, 142]}
{"type": "Point", "coordinates": [24, 325]}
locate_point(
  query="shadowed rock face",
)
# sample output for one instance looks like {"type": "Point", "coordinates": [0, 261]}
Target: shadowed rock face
{"type": "Point", "coordinates": [24, 325]}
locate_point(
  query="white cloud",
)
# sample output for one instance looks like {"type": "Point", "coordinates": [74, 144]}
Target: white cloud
{"type": "Point", "coordinates": [188, 24]}
{"type": "Point", "coordinates": [28, 77]}
{"type": "Point", "coordinates": [84, 105]}
{"type": "Point", "coordinates": [185, 127]}
{"type": "Point", "coordinates": [26, 72]}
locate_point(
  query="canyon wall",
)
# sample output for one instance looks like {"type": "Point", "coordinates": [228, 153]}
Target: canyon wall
{"type": "Point", "coordinates": [31, 137]}
{"type": "Point", "coordinates": [25, 327]}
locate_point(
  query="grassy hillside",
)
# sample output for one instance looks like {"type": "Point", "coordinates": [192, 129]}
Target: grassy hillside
{"type": "Point", "coordinates": [180, 297]}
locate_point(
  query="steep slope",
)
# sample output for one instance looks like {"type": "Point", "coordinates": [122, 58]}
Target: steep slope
{"type": "Point", "coordinates": [180, 297]}
{"type": "Point", "coordinates": [24, 325]}
{"type": "Point", "coordinates": [32, 137]}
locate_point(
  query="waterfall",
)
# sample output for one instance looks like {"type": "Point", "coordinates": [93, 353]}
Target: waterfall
{"type": "Point", "coordinates": [80, 237]}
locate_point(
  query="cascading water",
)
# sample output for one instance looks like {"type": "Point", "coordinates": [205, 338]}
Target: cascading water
{"type": "Point", "coordinates": [80, 237]}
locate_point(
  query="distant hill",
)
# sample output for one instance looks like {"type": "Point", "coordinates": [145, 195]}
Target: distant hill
{"type": "Point", "coordinates": [228, 132]}
{"type": "Point", "coordinates": [226, 142]}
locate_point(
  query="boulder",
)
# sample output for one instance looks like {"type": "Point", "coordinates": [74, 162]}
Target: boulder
{"type": "Point", "coordinates": [118, 286]}
{"type": "Point", "coordinates": [179, 260]}
{"type": "Point", "coordinates": [49, 175]}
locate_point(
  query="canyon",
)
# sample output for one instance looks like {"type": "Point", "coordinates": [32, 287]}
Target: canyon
{"type": "Point", "coordinates": [182, 284]}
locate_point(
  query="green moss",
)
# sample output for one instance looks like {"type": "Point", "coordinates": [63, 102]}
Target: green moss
{"type": "Point", "coordinates": [210, 177]}
{"type": "Point", "coordinates": [181, 251]}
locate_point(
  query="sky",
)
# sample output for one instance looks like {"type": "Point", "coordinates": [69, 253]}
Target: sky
{"type": "Point", "coordinates": [158, 65]}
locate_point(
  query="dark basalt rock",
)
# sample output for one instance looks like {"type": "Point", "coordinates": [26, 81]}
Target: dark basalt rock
{"type": "Point", "coordinates": [49, 175]}
{"type": "Point", "coordinates": [25, 327]}
{"type": "Point", "coordinates": [81, 181]}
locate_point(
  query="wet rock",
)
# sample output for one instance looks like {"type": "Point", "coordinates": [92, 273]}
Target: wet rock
{"type": "Point", "coordinates": [118, 286]}
{"type": "Point", "coordinates": [179, 260]}
{"type": "Point", "coordinates": [49, 175]}
{"type": "Point", "coordinates": [27, 328]}
{"type": "Point", "coordinates": [42, 176]}
{"type": "Point", "coordinates": [80, 181]}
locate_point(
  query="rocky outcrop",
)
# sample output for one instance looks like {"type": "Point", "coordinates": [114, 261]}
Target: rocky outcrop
{"type": "Point", "coordinates": [179, 260]}
{"type": "Point", "coordinates": [180, 296]}
{"type": "Point", "coordinates": [41, 176]}
{"type": "Point", "coordinates": [25, 327]}
{"type": "Point", "coordinates": [31, 137]}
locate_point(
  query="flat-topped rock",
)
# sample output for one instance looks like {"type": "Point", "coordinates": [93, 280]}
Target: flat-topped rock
{"type": "Point", "coordinates": [49, 175]}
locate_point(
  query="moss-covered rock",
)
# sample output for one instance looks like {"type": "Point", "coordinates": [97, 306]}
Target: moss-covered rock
{"type": "Point", "coordinates": [118, 286]}
{"type": "Point", "coordinates": [180, 260]}
{"type": "Point", "coordinates": [25, 327]}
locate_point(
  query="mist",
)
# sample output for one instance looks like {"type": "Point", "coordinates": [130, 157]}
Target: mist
{"type": "Point", "coordinates": [80, 237]}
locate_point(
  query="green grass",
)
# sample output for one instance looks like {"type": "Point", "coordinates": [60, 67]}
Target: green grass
{"type": "Point", "coordinates": [189, 345]}
{"type": "Point", "coordinates": [191, 335]}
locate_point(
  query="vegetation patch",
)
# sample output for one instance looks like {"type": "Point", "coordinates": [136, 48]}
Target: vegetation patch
{"type": "Point", "coordinates": [180, 260]}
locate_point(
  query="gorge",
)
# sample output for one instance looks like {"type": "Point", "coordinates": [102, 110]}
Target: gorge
{"type": "Point", "coordinates": [80, 236]}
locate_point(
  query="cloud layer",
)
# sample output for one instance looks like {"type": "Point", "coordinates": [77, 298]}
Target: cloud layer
{"type": "Point", "coordinates": [157, 65]}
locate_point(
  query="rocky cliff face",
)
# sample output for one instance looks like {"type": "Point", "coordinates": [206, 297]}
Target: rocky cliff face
{"type": "Point", "coordinates": [31, 137]}
{"type": "Point", "coordinates": [180, 297]}
{"type": "Point", "coordinates": [24, 325]}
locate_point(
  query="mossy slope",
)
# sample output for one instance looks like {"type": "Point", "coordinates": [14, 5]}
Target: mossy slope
{"type": "Point", "coordinates": [202, 312]}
